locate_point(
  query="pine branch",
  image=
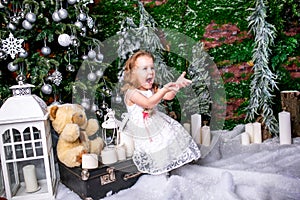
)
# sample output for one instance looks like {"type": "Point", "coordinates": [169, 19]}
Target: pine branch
{"type": "Point", "coordinates": [263, 81]}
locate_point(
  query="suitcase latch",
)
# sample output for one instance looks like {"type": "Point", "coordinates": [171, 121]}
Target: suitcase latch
{"type": "Point", "coordinates": [109, 177]}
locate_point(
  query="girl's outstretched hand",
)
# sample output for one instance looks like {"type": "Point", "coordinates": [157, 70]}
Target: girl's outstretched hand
{"type": "Point", "coordinates": [171, 87]}
{"type": "Point", "coordinates": [183, 82]}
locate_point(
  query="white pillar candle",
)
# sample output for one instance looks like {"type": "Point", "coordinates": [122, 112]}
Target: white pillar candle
{"type": "Point", "coordinates": [128, 143]}
{"type": "Point", "coordinates": [249, 130]}
{"type": "Point", "coordinates": [196, 127]}
{"type": "Point", "coordinates": [285, 136]}
{"type": "Point", "coordinates": [187, 127]}
{"type": "Point", "coordinates": [30, 178]}
{"type": "Point", "coordinates": [121, 153]}
{"type": "Point", "coordinates": [257, 137]}
{"type": "Point", "coordinates": [109, 155]}
{"type": "Point", "coordinates": [245, 138]}
{"type": "Point", "coordinates": [205, 135]}
{"type": "Point", "coordinates": [89, 161]}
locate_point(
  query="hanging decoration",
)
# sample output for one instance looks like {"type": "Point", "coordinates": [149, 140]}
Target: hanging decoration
{"type": "Point", "coordinates": [263, 79]}
{"type": "Point", "coordinates": [12, 46]}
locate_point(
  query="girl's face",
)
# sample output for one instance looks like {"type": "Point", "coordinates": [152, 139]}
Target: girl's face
{"type": "Point", "coordinates": [144, 71]}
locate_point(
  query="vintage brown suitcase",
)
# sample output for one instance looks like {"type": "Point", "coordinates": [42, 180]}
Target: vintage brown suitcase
{"type": "Point", "coordinates": [97, 183]}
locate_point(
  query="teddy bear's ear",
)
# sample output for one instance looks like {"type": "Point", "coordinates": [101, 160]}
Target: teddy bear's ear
{"type": "Point", "coordinates": [79, 106]}
{"type": "Point", "coordinates": [52, 112]}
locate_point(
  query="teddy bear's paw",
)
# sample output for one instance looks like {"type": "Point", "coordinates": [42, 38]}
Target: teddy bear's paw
{"type": "Point", "coordinates": [96, 145]}
{"type": "Point", "coordinates": [70, 133]}
{"type": "Point", "coordinates": [92, 127]}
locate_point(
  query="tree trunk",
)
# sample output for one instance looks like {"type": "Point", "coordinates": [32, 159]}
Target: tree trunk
{"type": "Point", "coordinates": [290, 102]}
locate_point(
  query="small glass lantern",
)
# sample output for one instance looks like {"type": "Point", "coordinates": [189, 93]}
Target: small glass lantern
{"type": "Point", "coordinates": [26, 146]}
{"type": "Point", "coordinates": [109, 134]}
{"type": "Point", "coordinates": [110, 127]}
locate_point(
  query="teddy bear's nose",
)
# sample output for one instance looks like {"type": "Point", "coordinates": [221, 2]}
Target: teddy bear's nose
{"type": "Point", "coordinates": [80, 115]}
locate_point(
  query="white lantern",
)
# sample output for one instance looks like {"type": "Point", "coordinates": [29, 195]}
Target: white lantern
{"type": "Point", "coordinates": [26, 146]}
{"type": "Point", "coordinates": [110, 127]}
{"type": "Point", "coordinates": [109, 134]}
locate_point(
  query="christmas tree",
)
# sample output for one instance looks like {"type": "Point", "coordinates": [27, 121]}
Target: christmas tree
{"type": "Point", "coordinates": [46, 43]}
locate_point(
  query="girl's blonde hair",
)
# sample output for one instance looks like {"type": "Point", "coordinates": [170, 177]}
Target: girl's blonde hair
{"type": "Point", "coordinates": [130, 79]}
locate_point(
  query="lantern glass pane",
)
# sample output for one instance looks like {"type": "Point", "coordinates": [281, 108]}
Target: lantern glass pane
{"type": "Point", "coordinates": [8, 152]}
{"type": "Point", "coordinates": [29, 150]}
{"type": "Point", "coordinates": [6, 137]}
{"type": "Point", "coordinates": [36, 133]}
{"type": "Point", "coordinates": [17, 135]}
{"type": "Point", "coordinates": [19, 151]}
{"type": "Point", "coordinates": [26, 134]}
{"type": "Point", "coordinates": [39, 148]}
{"type": "Point", "coordinates": [12, 175]}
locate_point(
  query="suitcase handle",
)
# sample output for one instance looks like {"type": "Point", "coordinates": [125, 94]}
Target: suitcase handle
{"type": "Point", "coordinates": [131, 175]}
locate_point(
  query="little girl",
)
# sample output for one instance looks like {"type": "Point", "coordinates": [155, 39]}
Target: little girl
{"type": "Point", "coordinates": [161, 143]}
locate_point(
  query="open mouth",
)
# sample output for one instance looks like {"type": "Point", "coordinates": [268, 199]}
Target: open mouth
{"type": "Point", "coordinates": [149, 80]}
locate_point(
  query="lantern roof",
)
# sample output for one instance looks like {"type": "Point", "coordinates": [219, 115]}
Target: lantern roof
{"type": "Point", "coordinates": [23, 106]}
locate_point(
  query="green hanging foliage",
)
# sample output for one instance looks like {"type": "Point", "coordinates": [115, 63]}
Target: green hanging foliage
{"type": "Point", "coordinates": [263, 81]}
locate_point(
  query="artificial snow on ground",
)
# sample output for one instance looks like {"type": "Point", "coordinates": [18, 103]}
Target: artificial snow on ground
{"type": "Point", "coordinates": [230, 171]}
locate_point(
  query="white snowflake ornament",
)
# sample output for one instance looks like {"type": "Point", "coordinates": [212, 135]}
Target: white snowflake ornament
{"type": "Point", "coordinates": [12, 46]}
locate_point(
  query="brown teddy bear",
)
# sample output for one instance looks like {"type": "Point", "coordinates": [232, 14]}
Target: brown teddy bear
{"type": "Point", "coordinates": [71, 124]}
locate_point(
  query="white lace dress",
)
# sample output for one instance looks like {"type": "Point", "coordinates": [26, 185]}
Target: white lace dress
{"type": "Point", "coordinates": [161, 143]}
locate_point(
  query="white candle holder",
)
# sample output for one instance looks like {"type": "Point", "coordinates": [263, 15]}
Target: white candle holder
{"type": "Point", "coordinates": [26, 139]}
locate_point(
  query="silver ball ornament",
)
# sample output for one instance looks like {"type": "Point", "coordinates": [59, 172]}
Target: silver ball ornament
{"type": "Point", "coordinates": [92, 76]}
{"type": "Point", "coordinates": [78, 24]}
{"type": "Point", "coordinates": [26, 25]}
{"type": "Point", "coordinates": [71, 2]}
{"type": "Point", "coordinates": [94, 107]}
{"type": "Point", "coordinates": [118, 99]}
{"type": "Point", "coordinates": [31, 17]}
{"type": "Point", "coordinates": [70, 68]}
{"type": "Point", "coordinates": [99, 57]}
{"type": "Point", "coordinates": [86, 103]}
{"type": "Point", "coordinates": [47, 89]}
{"type": "Point", "coordinates": [11, 26]}
{"type": "Point", "coordinates": [95, 30]}
{"type": "Point", "coordinates": [23, 54]}
{"type": "Point", "coordinates": [82, 16]}
{"type": "Point", "coordinates": [46, 50]}
{"type": "Point", "coordinates": [99, 73]}
{"type": "Point", "coordinates": [92, 54]}
{"type": "Point", "coordinates": [12, 67]}
{"type": "Point", "coordinates": [55, 16]}
{"type": "Point", "coordinates": [84, 57]}
{"type": "Point", "coordinates": [63, 13]}
{"type": "Point", "coordinates": [64, 40]}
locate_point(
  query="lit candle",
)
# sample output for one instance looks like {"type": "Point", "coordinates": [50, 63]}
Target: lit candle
{"type": "Point", "coordinates": [245, 138]}
{"type": "Point", "coordinates": [128, 143]}
{"type": "Point", "coordinates": [249, 130]}
{"type": "Point", "coordinates": [285, 127]}
{"type": "Point", "coordinates": [257, 137]}
{"type": "Point", "coordinates": [89, 161]}
{"type": "Point", "coordinates": [187, 127]}
{"type": "Point", "coordinates": [121, 153]}
{"type": "Point", "coordinates": [205, 135]}
{"type": "Point", "coordinates": [30, 178]}
{"type": "Point", "coordinates": [196, 127]}
{"type": "Point", "coordinates": [109, 155]}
